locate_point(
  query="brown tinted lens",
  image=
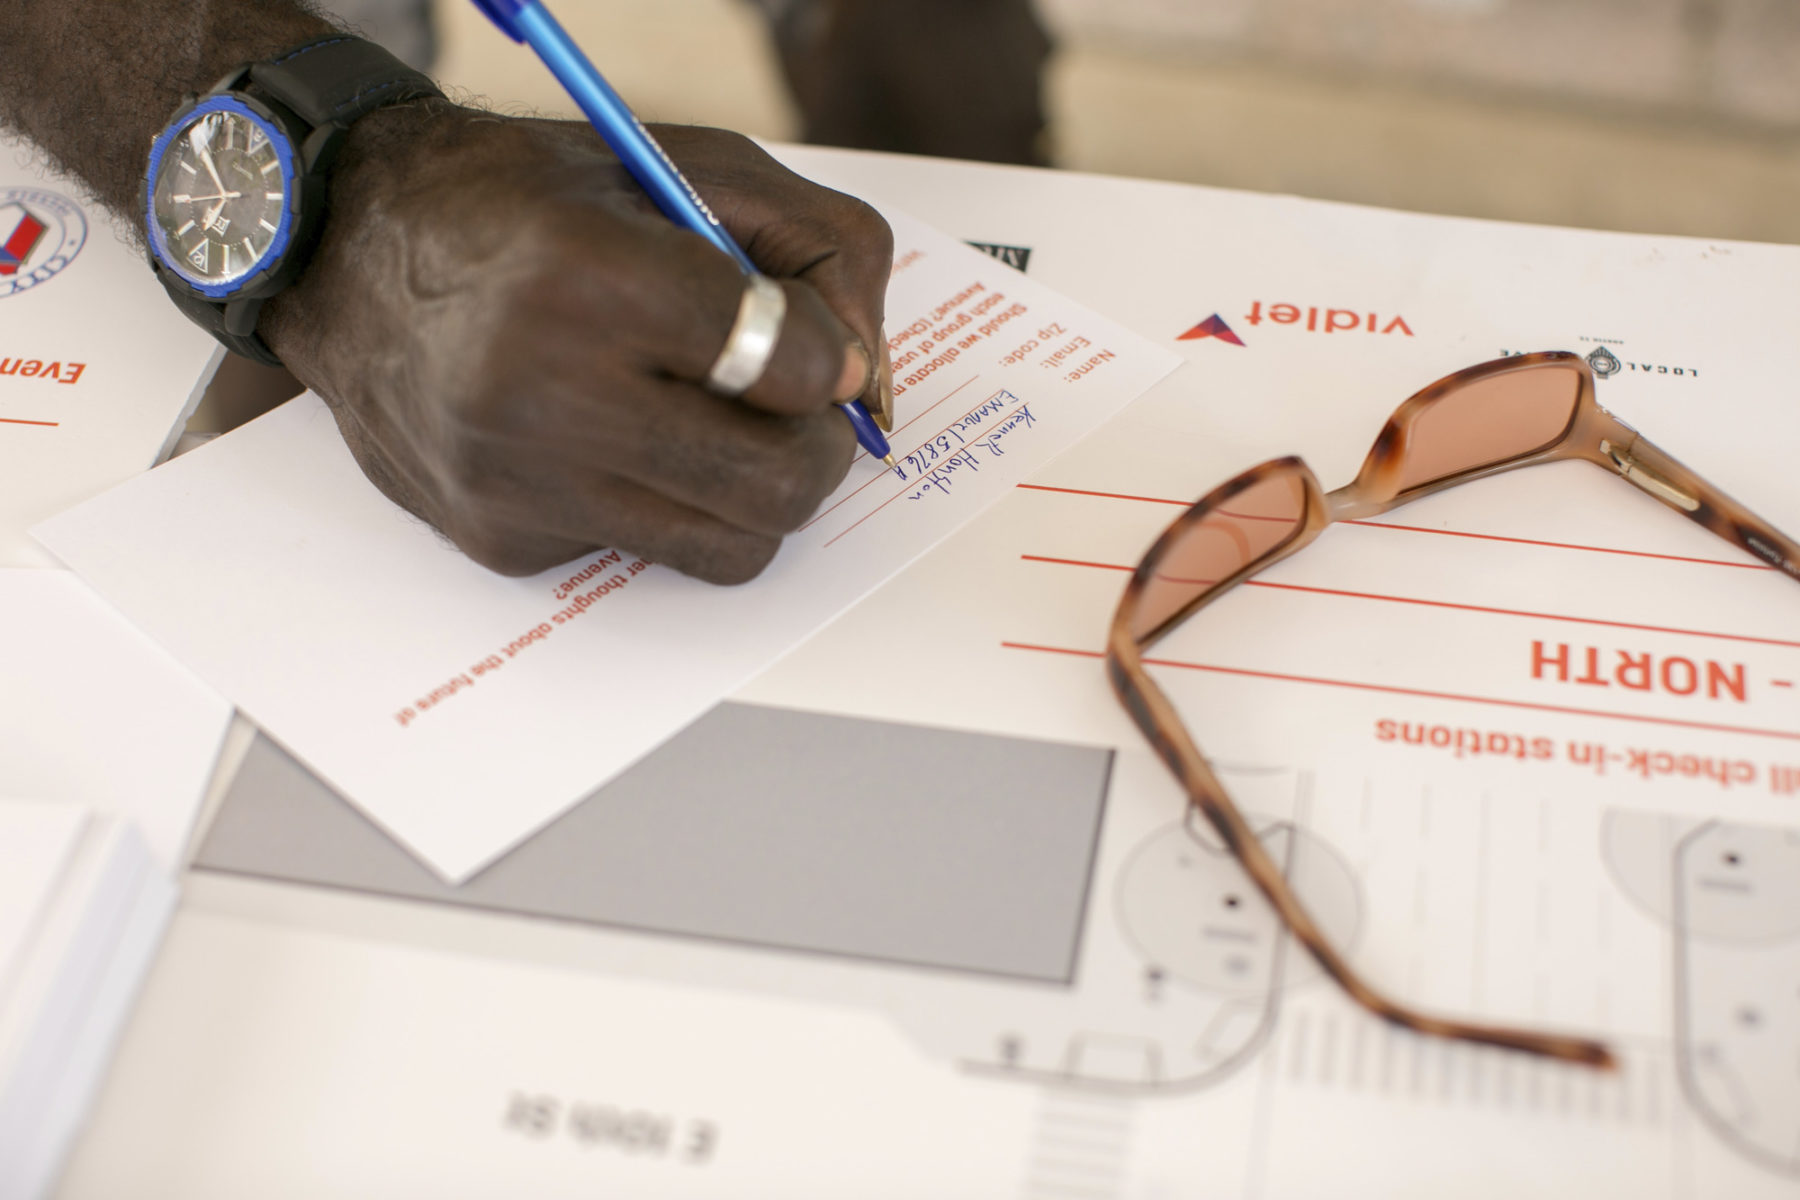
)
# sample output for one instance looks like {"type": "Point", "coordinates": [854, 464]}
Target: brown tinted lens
{"type": "Point", "coordinates": [1489, 421]}
{"type": "Point", "coordinates": [1201, 553]}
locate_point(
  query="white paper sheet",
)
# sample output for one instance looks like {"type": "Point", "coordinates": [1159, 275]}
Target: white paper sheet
{"type": "Point", "coordinates": [92, 937]}
{"type": "Point", "coordinates": [36, 840]}
{"type": "Point", "coordinates": [92, 712]}
{"type": "Point", "coordinates": [462, 710]}
{"type": "Point", "coordinates": [98, 371]}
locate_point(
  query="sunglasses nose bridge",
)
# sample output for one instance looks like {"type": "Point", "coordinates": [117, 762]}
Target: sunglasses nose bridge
{"type": "Point", "coordinates": [1350, 503]}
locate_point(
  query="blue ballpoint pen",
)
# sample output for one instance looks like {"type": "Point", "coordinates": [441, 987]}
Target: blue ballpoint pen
{"type": "Point", "coordinates": [530, 22]}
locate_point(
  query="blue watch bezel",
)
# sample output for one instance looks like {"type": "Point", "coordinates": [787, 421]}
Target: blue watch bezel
{"type": "Point", "coordinates": [284, 149]}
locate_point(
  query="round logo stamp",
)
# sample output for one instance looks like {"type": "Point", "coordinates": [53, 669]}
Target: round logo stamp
{"type": "Point", "coordinates": [41, 232]}
{"type": "Point", "coordinates": [1603, 361]}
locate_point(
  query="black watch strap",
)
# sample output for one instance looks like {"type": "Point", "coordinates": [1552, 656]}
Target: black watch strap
{"type": "Point", "coordinates": [338, 78]}
{"type": "Point", "coordinates": [329, 81]}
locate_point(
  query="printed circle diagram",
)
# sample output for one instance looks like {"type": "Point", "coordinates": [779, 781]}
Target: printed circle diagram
{"type": "Point", "coordinates": [41, 232]}
{"type": "Point", "coordinates": [1729, 895]}
{"type": "Point", "coordinates": [1737, 911]}
{"type": "Point", "coordinates": [1189, 908]}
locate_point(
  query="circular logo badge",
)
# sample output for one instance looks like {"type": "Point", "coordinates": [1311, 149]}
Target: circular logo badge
{"type": "Point", "coordinates": [1604, 362]}
{"type": "Point", "coordinates": [41, 232]}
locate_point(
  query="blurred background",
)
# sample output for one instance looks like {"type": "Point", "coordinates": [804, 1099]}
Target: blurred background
{"type": "Point", "coordinates": [1664, 116]}
{"type": "Point", "coordinates": [1653, 116]}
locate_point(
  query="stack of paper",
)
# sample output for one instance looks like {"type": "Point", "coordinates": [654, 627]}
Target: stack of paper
{"type": "Point", "coordinates": [82, 905]}
{"type": "Point", "coordinates": [106, 745]}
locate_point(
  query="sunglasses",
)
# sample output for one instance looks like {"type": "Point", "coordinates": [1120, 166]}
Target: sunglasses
{"type": "Point", "coordinates": [1498, 416]}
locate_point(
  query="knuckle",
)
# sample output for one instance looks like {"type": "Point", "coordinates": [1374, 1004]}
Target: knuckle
{"type": "Point", "coordinates": [860, 233]}
{"type": "Point", "coordinates": [869, 231]}
{"type": "Point", "coordinates": [794, 472]}
{"type": "Point", "coordinates": [785, 504]}
{"type": "Point", "coordinates": [810, 357]}
{"type": "Point", "coordinates": [808, 379]}
{"type": "Point", "coordinates": [734, 144]}
{"type": "Point", "coordinates": [500, 551]}
{"type": "Point", "coordinates": [709, 149]}
{"type": "Point", "coordinates": [711, 551]}
{"type": "Point", "coordinates": [740, 560]}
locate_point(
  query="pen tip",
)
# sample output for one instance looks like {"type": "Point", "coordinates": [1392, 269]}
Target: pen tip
{"type": "Point", "coordinates": [892, 465]}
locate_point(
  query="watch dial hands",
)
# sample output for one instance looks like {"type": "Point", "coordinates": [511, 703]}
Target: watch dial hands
{"type": "Point", "coordinates": [184, 198]}
{"type": "Point", "coordinates": [207, 162]}
{"type": "Point", "coordinates": [221, 234]}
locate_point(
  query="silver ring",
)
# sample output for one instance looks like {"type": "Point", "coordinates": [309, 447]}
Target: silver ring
{"type": "Point", "coordinates": [751, 343]}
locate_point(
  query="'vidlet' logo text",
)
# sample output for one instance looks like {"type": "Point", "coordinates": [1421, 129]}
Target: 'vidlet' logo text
{"type": "Point", "coordinates": [1327, 320]}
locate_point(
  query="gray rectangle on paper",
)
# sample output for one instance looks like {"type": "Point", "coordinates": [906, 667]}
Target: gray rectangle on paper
{"type": "Point", "coordinates": [768, 826]}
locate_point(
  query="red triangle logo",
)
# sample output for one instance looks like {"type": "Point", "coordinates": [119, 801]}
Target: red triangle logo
{"type": "Point", "coordinates": [1213, 327]}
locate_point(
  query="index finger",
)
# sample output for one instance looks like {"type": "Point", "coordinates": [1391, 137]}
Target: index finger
{"type": "Point", "coordinates": [686, 296]}
{"type": "Point", "coordinates": [792, 227]}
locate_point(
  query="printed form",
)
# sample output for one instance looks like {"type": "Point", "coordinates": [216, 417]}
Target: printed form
{"type": "Point", "coordinates": [462, 710]}
{"type": "Point", "coordinates": [98, 371]}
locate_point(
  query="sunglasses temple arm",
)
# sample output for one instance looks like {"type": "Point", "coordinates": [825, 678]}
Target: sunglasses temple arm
{"type": "Point", "coordinates": [1269, 879]}
{"type": "Point", "coordinates": [1637, 460]}
{"type": "Point", "coordinates": [1155, 717]}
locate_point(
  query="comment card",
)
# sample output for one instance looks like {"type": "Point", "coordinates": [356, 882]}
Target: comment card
{"type": "Point", "coordinates": [461, 710]}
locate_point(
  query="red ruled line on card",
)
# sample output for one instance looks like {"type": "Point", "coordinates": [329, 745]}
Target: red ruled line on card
{"type": "Point", "coordinates": [1474, 608]}
{"type": "Point", "coordinates": [817, 517]}
{"type": "Point", "coordinates": [18, 421]}
{"type": "Point", "coordinates": [1387, 689]}
{"type": "Point", "coordinates": [923, 413]}
{"type": "Point", "coordinates": [1486, 537]}
{"type": "Point", "coordinates": [846, 530]}
{"type": "Point", "coordinates": [1022, 404]}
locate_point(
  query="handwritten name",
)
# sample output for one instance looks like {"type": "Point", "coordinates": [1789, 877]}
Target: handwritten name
{"type": "Point", "coordinates": [967, 442]}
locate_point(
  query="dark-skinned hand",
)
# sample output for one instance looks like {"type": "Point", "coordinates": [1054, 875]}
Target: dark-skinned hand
{"type": "Point", "coordinates": [514, 341]}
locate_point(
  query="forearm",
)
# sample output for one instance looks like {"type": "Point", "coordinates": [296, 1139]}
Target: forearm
{"type": "Point", "coordinates": [91, 82]}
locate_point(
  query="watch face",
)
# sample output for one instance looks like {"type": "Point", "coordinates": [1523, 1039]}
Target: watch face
{"type": "Point", "coordinates": [219, 201]}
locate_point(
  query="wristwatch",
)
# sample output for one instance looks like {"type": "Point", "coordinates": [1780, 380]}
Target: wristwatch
{"type": "Point", "coordinates": [235, 192]}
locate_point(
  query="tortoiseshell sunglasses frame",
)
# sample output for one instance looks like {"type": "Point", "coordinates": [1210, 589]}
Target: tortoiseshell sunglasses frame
{"type": "Point", "coordinates": [1592, 434]}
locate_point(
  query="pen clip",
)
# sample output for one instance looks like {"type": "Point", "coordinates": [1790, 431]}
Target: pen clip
{"type": "Point", "coordinates": [505, 13]}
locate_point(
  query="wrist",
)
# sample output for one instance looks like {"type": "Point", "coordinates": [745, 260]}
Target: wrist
{"type": "Point", "coordinates": [238, 180]}
{"type": "Point", "coordinates": [384, 155]}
